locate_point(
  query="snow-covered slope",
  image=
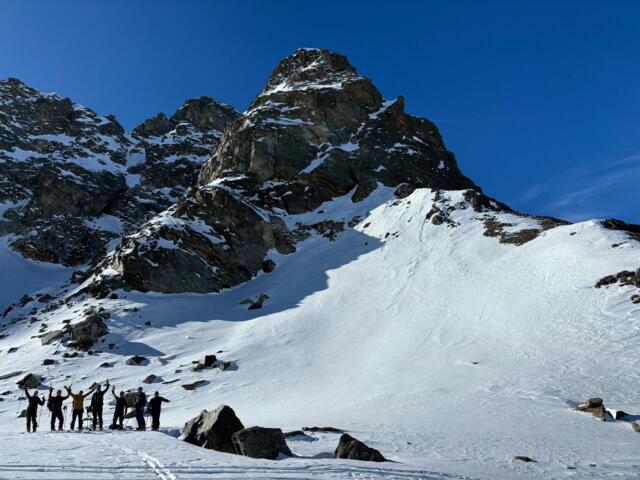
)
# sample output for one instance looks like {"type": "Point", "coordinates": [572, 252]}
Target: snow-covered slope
{"type": "Point", "coordinates": [436, 343]}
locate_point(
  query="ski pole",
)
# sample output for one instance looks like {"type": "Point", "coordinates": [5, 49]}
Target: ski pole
{"type": "Point", "coordinates": [19, 403]}
{"type": "Point", "coordinates": [40, 416]}
{"type": "Point", "coordinates": [74, 376]}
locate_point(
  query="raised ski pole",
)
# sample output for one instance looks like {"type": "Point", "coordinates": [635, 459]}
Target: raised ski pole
{"type": "Point", "coordinates": [40, 416]}
{"type": "Point", "coordinates": [74, 377]}
{"type": "Point", "coordinates": [50, 389]}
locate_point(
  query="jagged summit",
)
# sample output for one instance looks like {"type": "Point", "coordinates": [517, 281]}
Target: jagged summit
{"type": "Point", "coordinates": [203, 113]}
{"type": "Point", "coordinates": [318, 123]}
{"type": "Point", "coordinates": [310, 69]}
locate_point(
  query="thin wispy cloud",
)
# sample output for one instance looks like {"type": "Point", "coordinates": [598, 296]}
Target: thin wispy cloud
{"type": "Point", "coordinates": [608, 189]}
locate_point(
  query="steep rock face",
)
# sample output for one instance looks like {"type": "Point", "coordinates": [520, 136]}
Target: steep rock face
{"type": "Point", "coordinates": [72, 180]}
{"type": "Point", "coordinates": [167, 156]}
{"type": "Point", "coordinates": [208, 241]}
{"type": "Point", "coordinates": [58, 161]}
{"type": "Point", "coordinates": [318, 130]}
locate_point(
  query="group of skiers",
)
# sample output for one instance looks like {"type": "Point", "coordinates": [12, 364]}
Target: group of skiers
{"type": "Point", "coordinates": [55, 405]}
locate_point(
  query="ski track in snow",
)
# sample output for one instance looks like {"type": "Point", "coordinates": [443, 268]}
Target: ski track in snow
{"type": "Point", "coordinates": [375, 334]}
{"type": "Point", "coordinates": [62, 455]}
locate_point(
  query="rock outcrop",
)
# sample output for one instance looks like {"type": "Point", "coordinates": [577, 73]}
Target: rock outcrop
{"type": "Point", "coordinates": [213, 430]}
{"type": "Point", "coordinates": [30, 380]}
{"type": "Point", "coordinates": [72, 180]}
{"type": "Point", "coordinates": [349, 447]}
{"type": "Point", "coordinates": [259, 442]}
{"type": "Point", "coordinates": [595, 407]}
{"type": "Point", "coordinates": [87, 332]}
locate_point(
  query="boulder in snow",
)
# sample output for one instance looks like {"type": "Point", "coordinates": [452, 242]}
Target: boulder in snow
{"type": "Point", "coordinates": [137, 361]}
{"type": "Point", "coordinates": [268, 266]}
{"type": "Point", "coordinates": [523, 458]}
{"type": "Point", "coordinates": [594, 406]}
{"type": "Point", "coordinates": [30, 380]}
{"type": "Point", "coordinates": [349, 447]}
{"type": "Point", "coordinates": [194, 385]}
{"type": "Point", "coordinates": [259, 442]}
{"type": "Point", "coordinates": [87, 332]}
{"type": "Point", "coordinates": [322, 429]}
{"type": "Point", "coordinates": [49, 337]}
{"type": "Point", "coordinates": [209, 360]}
{"type": "Point", "coordinates": [213, 430]}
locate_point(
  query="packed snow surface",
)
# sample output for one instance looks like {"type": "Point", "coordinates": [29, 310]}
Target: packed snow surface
{"type": "Point", "coordinates": [446, 350]}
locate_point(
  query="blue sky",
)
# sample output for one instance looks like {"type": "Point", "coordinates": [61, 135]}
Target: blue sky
{"type": "Point", "coordinates": [539, 100]}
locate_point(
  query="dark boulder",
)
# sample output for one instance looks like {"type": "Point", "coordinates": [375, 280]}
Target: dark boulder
{"type": "Point", "coordinates": [87, 332]}
{"type": "Point", "coordinates": [209, 360]}
{"type": "Point", "coordinates": [213, 430]}
{"type": "Point", "coordinates": [258, 303]}
{"type": "Point", "coordinates": [30, 380]}
{"type": "Point", "coordinates": [522, 458]}
{"type": "Point", "coordinates": [322, 429]}
{"type": "Point", "coordinates": [137, 361]}
{"type": "Point", "coordinates": [353, 449]}
{"type": "Point", "coordinates": [194, 385]}
{"type": "Point", "coordinates": [259, 442]}
{"type": "Point", "coordinates": [595, 407]}
{"type": "Point", "coordinates": [268, 266]}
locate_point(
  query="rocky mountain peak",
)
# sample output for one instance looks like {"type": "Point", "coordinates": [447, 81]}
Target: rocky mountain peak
{"type": "Point", "coordinates": [320, 125]}
{"type": "Point", "coordinates": [12, 88]}
{"type": "Point", "coordinates": [72, 180]}
{"type": "Point", "coordinates": [316, 132]}
{"type": "Point", "coordinates": [157, 125]}
{"type": "Point", "coordinates": [310, 68]}
{"type": "Point", "coordinates": [205, 113]}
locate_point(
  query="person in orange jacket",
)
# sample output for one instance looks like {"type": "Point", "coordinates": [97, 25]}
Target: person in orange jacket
{"type": "Point", "coordinates": [78, 406]}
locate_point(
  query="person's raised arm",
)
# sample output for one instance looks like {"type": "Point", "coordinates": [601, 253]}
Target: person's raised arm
{"type": "Point", "coordinates": [41, 400]}
{"type": "Point", "coordinates": [68, 391]}
{"type": "Point", "coordinates": [162, 399]}
{"type": "Point", "coordinates": [106, 388]}
{"type": "Point", "coordinates": [27, 393]}
{"type": "Point", "coordinates": [50, 392]}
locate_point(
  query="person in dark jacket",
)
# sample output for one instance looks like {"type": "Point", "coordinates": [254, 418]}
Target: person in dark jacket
{"type": "Point", "coordinates": [78, 406]}
{"type": "Point", "coordinates": [120, 411]}
{"type": "Point", "coordinates": [54, 403]}
{"type": "Point", "coordinates": [141, 401]}
{"type": "Point", "coordinates": [155, 405]}
{"type": "Point", "coordinates": [97, 404]}
{"type": "Point", "coordinates": [32, 409]}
